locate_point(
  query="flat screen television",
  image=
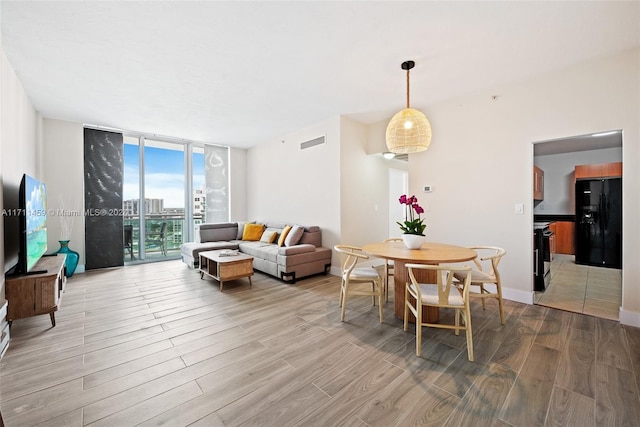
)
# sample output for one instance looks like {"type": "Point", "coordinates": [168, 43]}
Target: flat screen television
{"type": "Point", "coordinates": [33, 223]}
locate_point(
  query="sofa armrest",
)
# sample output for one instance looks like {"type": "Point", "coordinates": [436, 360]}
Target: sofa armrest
{"type": "Point", "coordinates": [215, 232]}
{"type": "Point", "coordinates": [297, 249]}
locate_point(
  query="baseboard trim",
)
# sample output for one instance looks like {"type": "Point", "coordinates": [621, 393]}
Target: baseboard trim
{"type": "Point", "coordinates": [525, 297]}
{"type": "Point", "coordinates": [630, 318]}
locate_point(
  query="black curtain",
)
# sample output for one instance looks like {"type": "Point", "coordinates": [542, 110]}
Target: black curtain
{"type": "Point", "coordinates": [103, 171]}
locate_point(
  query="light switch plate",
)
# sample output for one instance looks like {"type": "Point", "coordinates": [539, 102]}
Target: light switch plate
{"type": "Point", "coordinates": [519, 208]}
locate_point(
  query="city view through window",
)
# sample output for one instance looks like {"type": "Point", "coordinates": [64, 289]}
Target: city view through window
{"type": "Point", "coordinates": [164, 201]}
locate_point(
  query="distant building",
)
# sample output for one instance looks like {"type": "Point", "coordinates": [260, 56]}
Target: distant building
{"type": "Point", "coordinates": [199, 203]}
{"type": "Point", "coordinates": [152, 206]}
{"type": "Point", "coordinates": [130, 207]}
{"type": "Point", "coordinates": [156, 214]}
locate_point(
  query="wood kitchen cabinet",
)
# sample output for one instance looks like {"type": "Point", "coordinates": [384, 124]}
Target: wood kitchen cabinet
{"type": "Point", "coordinates": [600, 170]}
{"type": "Point", "coordinates": [538, 183]}
{"type": "Point", "coordinates": [564, 233]}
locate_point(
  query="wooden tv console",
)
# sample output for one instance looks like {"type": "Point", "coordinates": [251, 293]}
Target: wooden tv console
{"type": "Point", "coordinates": [33, 294]}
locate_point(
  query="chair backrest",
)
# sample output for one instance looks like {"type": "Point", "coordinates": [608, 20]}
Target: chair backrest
{"type": "Point", "coordinates": [444, 280]}
{"type": "Point", "coordinates": [491, 256]}
{"type": "Point", "coordinates": [128, 236]}
{"type": "Point", "coordinates": [163, 230]}
{"type": "Point", "coordinates": [393, 239]}
{"type": "Point", "coordinates": [350, 255]}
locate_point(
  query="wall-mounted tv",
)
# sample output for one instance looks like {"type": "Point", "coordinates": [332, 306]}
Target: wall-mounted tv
{"type": "Point", "coordinates": [33, 223]}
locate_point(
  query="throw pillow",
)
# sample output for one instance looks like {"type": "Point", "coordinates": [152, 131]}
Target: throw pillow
{"type": "Point", "coordinates": [283, 235]}
{"type": "Point", "coordinates": [294, 236]}
{"type": "Point", "coordinates": [252, 232]}
{"type": "Point", "coordinates": [269, 236]}
{"type": "Point", "coordinates": [241, 228]}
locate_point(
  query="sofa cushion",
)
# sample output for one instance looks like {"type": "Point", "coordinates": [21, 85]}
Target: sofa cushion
{"type": "Point", "coordinates": [312, 235]}
{"type": "Point", "coordinates": [276, 225]}
{"type": "Point", "coordinates": [252, 232]}
{"type": "Point", "coordinates": [283, 235]}
{"type": "Point", "coordinates": [321, 256]}
{"type": "Point", "coordinates": [297, 249]}
{"type": "Point", "coordinates": [269, 236]}
{"type": "Point", "coordinates": [216, 232]}
{"type": "Point", "coordinates": [266, 251]}
{"type": "Point", "coordinates": [294, 236]}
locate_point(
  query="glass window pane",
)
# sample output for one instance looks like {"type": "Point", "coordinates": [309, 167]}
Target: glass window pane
{"type": "Point", "coordinates": [164, 197]}
{"type": "Point", "coordinates": [131, 195]}
{"type": "Point", "coordinates": [217, 183]}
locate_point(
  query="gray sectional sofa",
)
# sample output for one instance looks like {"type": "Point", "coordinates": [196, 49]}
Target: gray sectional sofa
{"type": "Point", "coordinates": [289, 262]}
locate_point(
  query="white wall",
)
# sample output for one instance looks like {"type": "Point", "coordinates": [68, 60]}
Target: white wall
{"type": "Point", "coordinates": [364, 186]}
{"type": "Point", "coordinates": [481, 157]}
{"type": "Point", "coordinates": [337, 186]}
{"type": "Point", "coordinates": [18, 142]}
{"type": "Point", "coordinates": [63, 150]}
{"type": "Point", "coordinates": [285, 183]}
{"type": "Point", "coordinates": [559, 177]}
{"type": "Point", "coordinates": [377, 142]}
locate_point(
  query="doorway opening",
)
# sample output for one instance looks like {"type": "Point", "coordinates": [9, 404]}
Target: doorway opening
{"type": "Point", "coordinates": [577, 283]}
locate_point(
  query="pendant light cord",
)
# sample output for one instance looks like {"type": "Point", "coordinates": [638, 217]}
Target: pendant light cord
{"type": "Point", "coordinates": [408, 89]}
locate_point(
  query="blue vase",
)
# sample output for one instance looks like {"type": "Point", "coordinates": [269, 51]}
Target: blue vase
{"type": "Point", "coordinates": [71, 262]}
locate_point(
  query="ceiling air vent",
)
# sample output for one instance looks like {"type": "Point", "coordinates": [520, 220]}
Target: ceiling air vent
{"type": "Point", "coordinates": [313, 142]}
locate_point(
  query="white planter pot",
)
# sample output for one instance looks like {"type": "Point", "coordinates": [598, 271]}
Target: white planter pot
{"type": "Point", "coordinates": [413, 241]}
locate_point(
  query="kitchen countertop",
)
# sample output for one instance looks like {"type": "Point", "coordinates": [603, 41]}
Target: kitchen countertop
{"type": "Point", "coordinates": [554, 217]}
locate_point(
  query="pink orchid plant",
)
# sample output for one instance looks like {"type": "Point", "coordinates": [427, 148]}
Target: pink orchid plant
{"type": "Point", "coordinates": [412, 225]}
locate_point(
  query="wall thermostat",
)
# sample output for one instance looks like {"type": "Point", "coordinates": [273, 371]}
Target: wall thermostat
{"type": "Point", "coordinates": [428, 188]}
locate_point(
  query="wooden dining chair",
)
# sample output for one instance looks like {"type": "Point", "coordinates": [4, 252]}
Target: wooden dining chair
{"type": "Point", "coordinates": [486, 273]}
{"type": "Point", "coordinates": [387, 269]}
{"type": "Point", "coordinates": [442, 294]}
{"type": "Point", "coordinates": [351, 256]}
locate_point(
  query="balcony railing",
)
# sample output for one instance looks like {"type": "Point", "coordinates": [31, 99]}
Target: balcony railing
{"type": "Point", "coordinates": [157, 246]}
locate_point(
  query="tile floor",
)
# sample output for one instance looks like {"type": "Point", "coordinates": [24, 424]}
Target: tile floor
{"type": "Point", "coordinates": [595, 291]}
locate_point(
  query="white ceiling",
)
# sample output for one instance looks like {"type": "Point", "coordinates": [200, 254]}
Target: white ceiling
{"type": "Point", "coordinates": [579, 143]}
{"type": "Point", "coordinates": [240, 73]}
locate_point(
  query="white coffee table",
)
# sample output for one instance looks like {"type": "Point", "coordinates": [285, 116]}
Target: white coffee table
{"type": "Point", "coordinates": [225, 268]}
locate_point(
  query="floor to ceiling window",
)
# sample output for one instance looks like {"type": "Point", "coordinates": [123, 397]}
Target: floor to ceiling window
{"type": "Point", "coordinates": [164, 196]}
{"type": "Point", "coordinates": [164, 201]}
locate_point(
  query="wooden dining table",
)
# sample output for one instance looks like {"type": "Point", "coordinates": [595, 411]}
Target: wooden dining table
{"type": "Point", "coordinates": [429, 253]}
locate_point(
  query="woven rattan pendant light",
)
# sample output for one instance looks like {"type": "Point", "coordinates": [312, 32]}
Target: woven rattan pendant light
{"type": "Point", "coordinates": [409, 131]}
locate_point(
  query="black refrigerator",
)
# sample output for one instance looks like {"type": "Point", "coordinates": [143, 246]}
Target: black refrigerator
{"type": "Point", "coordinates": [599, 222]}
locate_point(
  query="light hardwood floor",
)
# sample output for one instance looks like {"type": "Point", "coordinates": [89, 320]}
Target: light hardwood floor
{"type": "Point", "coordinates": [155, 345]}
{"type": "Point", "coordinates": [596, 291]}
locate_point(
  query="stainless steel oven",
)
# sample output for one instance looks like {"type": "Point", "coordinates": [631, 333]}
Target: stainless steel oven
{"type": "Point", "coordinates": [542, 255]}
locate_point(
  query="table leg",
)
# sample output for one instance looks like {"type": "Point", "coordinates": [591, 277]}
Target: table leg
{"type": "Point", "coordinates": [400, 278]}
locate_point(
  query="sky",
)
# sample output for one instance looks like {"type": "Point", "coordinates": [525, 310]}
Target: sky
{"type": "Point", "coordinates": [164, 174]}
